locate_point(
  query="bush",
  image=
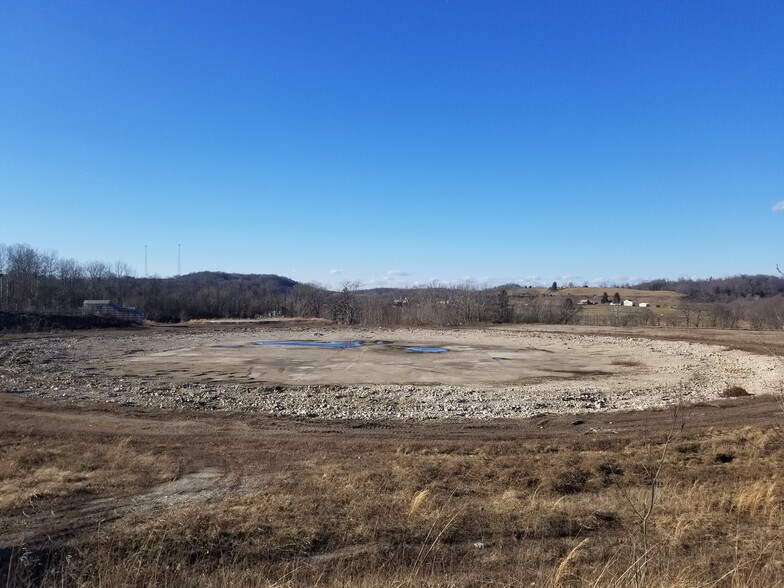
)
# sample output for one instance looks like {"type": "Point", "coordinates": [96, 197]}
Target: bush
{"type": "Point", "coordinates": [734, 392]}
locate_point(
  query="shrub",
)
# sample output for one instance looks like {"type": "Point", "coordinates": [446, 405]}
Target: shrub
{"type": "Point", "coordinates": [734, 392]}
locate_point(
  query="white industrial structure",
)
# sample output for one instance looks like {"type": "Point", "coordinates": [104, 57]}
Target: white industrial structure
{"type": "Point", "coordinates": [110, 309]}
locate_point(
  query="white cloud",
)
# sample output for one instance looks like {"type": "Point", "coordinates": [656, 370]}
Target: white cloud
{"type": "Point", "coordinates": [779, 206]}
{"type": "Point", "coordinates": [389, 279]}
{"type": "Point", "coordinates": [335, 272]}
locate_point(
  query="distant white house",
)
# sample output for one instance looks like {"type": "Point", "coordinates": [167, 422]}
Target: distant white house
{"type": "Point", "coordinates": [628, 302]}
{"type": "Point", "coordinates": [644, 304]}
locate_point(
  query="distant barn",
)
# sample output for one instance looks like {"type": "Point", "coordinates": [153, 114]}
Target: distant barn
{"type": "Point", "coordinates": [110, 309]}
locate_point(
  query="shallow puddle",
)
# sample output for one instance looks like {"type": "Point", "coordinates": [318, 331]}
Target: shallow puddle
{"type": "Point", "coordinates": [427, 349]}
{"type": "Point", "coordinates": [331, 344]}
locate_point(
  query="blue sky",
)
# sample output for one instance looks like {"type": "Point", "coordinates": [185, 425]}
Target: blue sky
{"type": "Point", "coordinates": [397, 142]}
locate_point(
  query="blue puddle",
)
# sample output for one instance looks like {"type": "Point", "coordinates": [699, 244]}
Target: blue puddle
{"type": "Point", "coordinates": [427, 349]}
{"type": "Point", "coordinates": [501, 358]}
{"type": "Point", "coordinates": [344, 345]}
{"type": "Point", "coordinates": [230, 346]}
{"type": "Point", "coordinates": [330, 344]}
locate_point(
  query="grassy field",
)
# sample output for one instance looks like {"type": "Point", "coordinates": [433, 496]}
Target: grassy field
{"type": "Point", "coordinates": [101, 498]}
{"type": "Point", "coordinates": [662, 298]}
{"type": "Point", "coordinates": [666, 308]}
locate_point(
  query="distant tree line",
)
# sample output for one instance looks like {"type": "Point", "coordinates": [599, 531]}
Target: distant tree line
{"type": "Point", "coordinates": [36, 281]}
{"type": "Point", "coordinates": [40, 281]}
{"type": "Point", "coordinates": [721, 289]}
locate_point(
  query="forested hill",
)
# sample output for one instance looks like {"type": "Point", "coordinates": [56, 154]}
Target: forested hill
{"type": "Point", "coordinates": [212, 295]}
{"type": "Point", "coordinates": [41, 281]}
{"type": "Point", "coordinates": [268, 282]}
{"type": "Point", "coordinates": [720, 289]}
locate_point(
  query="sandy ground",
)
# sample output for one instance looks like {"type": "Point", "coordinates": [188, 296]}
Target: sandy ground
{"type": "Point", "coordinates": [483, 374]}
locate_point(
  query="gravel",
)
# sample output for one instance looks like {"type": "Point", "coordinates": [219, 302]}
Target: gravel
{"type": "Point", "coordinates": [71, 369]}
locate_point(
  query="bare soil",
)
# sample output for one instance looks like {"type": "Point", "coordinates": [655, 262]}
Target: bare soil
{"type": "Point", "coordinates": [488, 373]}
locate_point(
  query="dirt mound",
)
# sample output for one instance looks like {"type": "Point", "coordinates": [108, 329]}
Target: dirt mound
{"type": "Point", "coordinates": [32, 322]}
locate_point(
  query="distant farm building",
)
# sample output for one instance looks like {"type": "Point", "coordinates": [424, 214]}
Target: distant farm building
{"type": "Point", "coordinates": [644, 305]}
{"type": "Point", "coordinates": [109, 309]}
{"type": "Point", "coordinates": [587, 302]}
{"type": "Point", "coordinates": [628, 302]}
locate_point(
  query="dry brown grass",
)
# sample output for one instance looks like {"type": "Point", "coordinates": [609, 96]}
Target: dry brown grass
{"type": "Point", "coordinates": [33, 471]}
{"type": "Point", "coordinates": [454, 512]}
{"type": "Point", "coordinates": [626, 362]}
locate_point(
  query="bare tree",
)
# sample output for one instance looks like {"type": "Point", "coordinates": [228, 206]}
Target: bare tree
{"type": "Point", "coordinates": [3, 271]}
{"type": "Point", "coordinates": [502, 312]}
{"type": "Point", "coordinates": [98, 275]}
{"type": "Point", "coordinates": [121, 273]}
{"type": "Point", "coordinates": [97, 270]}
{"type": "Point", "coordinates": [24, 272]}
{"type": "Point", "coordinates": [619, 316]}
{"type": "Point", "coordinates": [566, 312]}
{"type": "Point", "coordinates": [346, 309]}
{"type": "Point", "coordinates": [308, 300]}
{"type": "Point", "coordinates": [71, 277]}
{"type": "Point", "coordinates": [691, 314]}
{"type": "Point", "coordinates": [531, 310]}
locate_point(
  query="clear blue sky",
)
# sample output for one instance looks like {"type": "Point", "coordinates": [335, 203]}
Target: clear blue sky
{"type": "Point", "coordinates": [397, 142]}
